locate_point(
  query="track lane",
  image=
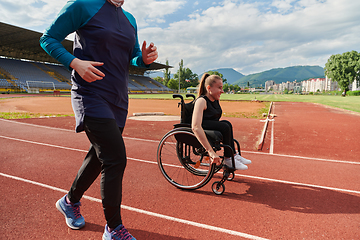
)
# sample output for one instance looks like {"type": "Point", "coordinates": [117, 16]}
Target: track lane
{"type": "Point", "coordinates": [246, 201]}
{"type": "Point", "coordinates": [313, 130]}
{"type": "Point", "coordinates": [269, 200]}
{"type": "Point", "coordinates": [268, 166]}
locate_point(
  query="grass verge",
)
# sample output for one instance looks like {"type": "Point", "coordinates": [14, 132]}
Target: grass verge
{"type": "Point", "coordinates": [19, 115]}
{"type": "Point", "coordinates": [255, 115]}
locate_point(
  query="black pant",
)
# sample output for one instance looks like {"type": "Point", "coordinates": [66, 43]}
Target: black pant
{"type": "Point", "coordinates": [107, 156]}
{"type": "Point", "coordinates": [226, 130]}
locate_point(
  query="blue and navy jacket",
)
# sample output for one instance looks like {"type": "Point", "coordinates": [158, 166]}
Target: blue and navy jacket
{"type": "Point", "coordinates": [104, 33]}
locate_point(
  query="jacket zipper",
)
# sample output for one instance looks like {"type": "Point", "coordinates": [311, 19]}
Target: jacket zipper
{"type": "Point", "coordinates": [117, 15]}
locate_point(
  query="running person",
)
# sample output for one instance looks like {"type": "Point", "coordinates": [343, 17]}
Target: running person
{"type": "Point", "coordinates": [105, 45]}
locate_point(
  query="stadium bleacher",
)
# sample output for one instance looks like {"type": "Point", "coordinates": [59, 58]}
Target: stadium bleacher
{"type": "Point", "coordinates": [61, 70]}
{"type": "Point", "coordinates": [25, 72]}
{"type": "Point", "coordinates": [146, 84]}
{"type": "Point", "coordinates": [133, 86]}
{"type": "Point", "coordinates": [42, 69]}
{"type": "Point", "coordinates": [5, 84]}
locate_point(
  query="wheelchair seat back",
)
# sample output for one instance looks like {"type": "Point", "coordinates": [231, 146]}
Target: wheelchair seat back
{"type": "Point", "coordinates": [214, 137]}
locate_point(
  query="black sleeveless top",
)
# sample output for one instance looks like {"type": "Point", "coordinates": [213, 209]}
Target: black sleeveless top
{"type": "Point", "coordinates": [213, 110]}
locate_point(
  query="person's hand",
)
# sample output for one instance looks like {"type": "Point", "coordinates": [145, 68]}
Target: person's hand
{"type": "Point", "coordinates": [149, 54]}
{"type": "Point", "coordinates": [214, 158]}
{"type": "Point", "coordinates": [87, 69]}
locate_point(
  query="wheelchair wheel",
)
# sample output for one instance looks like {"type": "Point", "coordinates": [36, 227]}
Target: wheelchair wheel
{"type": "Point", "coordinates": [182, 160]}
{"type": "Point", "coordinates": [231, 176]}
{"type": "Point", "coordinates": [218, 188]}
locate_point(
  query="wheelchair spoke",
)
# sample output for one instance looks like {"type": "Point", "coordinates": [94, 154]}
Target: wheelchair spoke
{"type": "Point", "coordinates": [177, 161]}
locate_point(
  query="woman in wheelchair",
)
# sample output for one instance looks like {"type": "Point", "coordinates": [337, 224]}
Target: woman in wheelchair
{"type": "Point", "coordinates": [206, 115]}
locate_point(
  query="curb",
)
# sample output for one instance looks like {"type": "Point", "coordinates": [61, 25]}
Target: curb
{"type": "Point", "coordinates": [262, 139]}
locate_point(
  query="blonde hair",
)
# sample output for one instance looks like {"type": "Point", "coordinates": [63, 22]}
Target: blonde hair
{"type": "Point", "coordinates": [207, 80]}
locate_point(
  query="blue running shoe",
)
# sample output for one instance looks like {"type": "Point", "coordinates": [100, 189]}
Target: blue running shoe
{"type": "Point", "coordinates": [119, 233]}
{"type": "Point", "coordinates": [71, 212]}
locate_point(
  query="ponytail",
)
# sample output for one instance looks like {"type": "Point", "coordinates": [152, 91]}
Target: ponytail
{"type": "Point", "coordinates": [206, 80]}
{"type": "Point", "coordinates": [202, 88]}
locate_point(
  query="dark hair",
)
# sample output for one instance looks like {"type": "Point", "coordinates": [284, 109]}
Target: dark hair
{"type": "Point", "coordinates": [207, 80]}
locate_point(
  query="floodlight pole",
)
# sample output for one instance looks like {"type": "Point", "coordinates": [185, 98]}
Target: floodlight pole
{"type": "Point", "coordinates": [179, 75]}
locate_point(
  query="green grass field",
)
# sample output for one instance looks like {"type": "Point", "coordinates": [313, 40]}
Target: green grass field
{"type": "Point", "coordinates": [351, 103]}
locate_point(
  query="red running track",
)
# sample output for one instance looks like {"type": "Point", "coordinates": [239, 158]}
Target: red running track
{"type": "Point", "coordinates": [300, 191]}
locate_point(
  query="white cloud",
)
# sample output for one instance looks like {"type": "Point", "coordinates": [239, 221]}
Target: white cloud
{"type": "Point", "coordinates": [148, 11]}
{"type": "Point", "coordinates": [283, 6]}
{"type": "Point", "coordinates": [239, 35]}
{"type": "Point", "coordinates": [31, 13]}
{"type": "Point", "coordinates": [247, 35]}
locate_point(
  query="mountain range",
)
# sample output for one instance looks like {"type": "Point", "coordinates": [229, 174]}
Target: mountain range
{"type": "Point", "coordinates": [278, 75]}
{"type": "Point", "coordinates": [230, 74]}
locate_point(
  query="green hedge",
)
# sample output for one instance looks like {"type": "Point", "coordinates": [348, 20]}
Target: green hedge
{"type": "Point", "coordinates": [353, 93]}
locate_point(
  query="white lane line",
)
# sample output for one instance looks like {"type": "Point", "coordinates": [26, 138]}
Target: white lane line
{"type": "Point", "coordinates": [43, 144]}
{"type": "Point", "coordinates": [155, 141]}
{"type": "Point", "coordinates": [141, 139]}
{"type": "Point", "coordinates": [73, 131]}
{"type": "Point", "coordinates": [306, 158]}
{"type": "Point", "coordinates": [300, 184]}
{"type": "Point", "coordinates": [141, 211]}
{"type": "Point", "coordinates": [267, 179]}
{"type": "Point", "coordinates": [154, 162]}
{"type": "Point", "coordinates": [34, 125]}
{"type": "Point", "coordinates": [243, 151]}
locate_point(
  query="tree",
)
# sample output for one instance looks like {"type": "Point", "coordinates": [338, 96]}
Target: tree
{"type": "Point", "coordinates": [343, 68]}
{"type": "Point", "coordinates": [159, 79]}
{"type": "Point", "coordinates": [179, 75]}
{"type": "Point", "coordinates": [236, 88]}
{"type": "Point", "coordinates": [219, 74]}
{"type": "Point", "coordinates": [232, 87]}
{"type": "Point", "coordinates": [167, 74]}
{"type": "Point", "coordinates": [226, 87]}
{"type": "Point", "coordinates": [173, 84]}
{"type": "Point", "coordinates": [187, 77]}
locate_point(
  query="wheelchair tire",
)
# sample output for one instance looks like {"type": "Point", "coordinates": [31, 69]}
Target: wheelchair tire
{"type": "Point", "coordinates": [182, 161]}
{"type": "Point", "coordinates": [231, 176]}
{"type": "Point", "coordinates": [218, 188]}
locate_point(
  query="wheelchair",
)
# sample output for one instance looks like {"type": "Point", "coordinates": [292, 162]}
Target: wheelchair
{"type": "Point", "coordinates": [184, 162]}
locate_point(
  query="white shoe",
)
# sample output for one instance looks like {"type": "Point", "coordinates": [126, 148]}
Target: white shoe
{"type": "Point", "coordinates": [238, 164]}
{"type": "Point", "coordinates": [242, 159]}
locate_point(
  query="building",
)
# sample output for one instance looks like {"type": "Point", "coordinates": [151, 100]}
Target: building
{"type": "Point", "coordinates": [290, 86]}
{"type": "Point", "coordinates": [310, 85]}
{"type": "Point", "coordinates": [269, 85]}
{"type": "Point", "coordinates": [355, 86]}
{"type": "Point", "coordinates": [314, 85]}
{"type": "Point", "coordinates": [331, 85]}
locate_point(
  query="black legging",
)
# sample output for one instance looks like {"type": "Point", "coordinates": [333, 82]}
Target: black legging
{"type": "Point", "coordinates": [226, 130]}
{"type": "Point", "coordinates": [107, 156]}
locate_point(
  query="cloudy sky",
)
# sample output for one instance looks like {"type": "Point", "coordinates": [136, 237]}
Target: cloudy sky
{"type": "Point", "coordinates": [247, 35]}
